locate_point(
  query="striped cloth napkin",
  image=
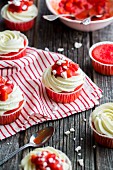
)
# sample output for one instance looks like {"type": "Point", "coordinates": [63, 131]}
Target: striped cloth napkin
{"type": "Point", "coordinates": [27, 73]}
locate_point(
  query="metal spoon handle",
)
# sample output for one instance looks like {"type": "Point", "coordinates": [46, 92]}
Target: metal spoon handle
{"type": "Point", "coordinates": [14, 153]}
{"type": "Point", "coordinates": [53, 17]}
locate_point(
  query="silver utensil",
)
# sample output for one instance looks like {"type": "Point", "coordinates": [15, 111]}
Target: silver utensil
{"type": "Point", "coordinates": [54, 17]}
{"type": "Point", "coordinates": [87, 20]}
{"type": "Point", "coordinates": [36, 140]}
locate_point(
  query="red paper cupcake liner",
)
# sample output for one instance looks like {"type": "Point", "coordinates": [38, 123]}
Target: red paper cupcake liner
{"type": "Point", "coordinates": [102, 68]}
{"type": "Point", "coordinates": [20, 26]}
{"type": "Point", "coordinates": [18, 55]}
{"type": "Point", "coordinates": [11, 117]}
{"type": "Point", "coordinates": [63, 97]}
{"type": "Point", "coordinates": [101, 139]}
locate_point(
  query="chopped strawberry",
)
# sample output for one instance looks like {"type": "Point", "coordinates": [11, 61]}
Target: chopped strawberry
{"type": "Point", "coordinates": [6, 87]}
{"type": "Point", "coordinates": [3, 95]}
{"type": "Point", "coordinates": [59, 70]}
{"type": "Point", "coordinates": [65, 66]}
{"type": "Point", "coordinates": [24, 4]}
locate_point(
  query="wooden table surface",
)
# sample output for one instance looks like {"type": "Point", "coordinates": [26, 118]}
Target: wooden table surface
{"type": "Point", "coordinates": [54, 35]}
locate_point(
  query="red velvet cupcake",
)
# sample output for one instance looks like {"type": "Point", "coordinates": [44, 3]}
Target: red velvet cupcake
{"type": "Point", "coordinates": [12, 45]}
{"type": "Point", "coordinates": [11, 101]}
{"type": "Point", "coordinates": [19, 15]}
{"type": "Point", "coordinates": [102, 57]}
{"type": "Point", "coordinates": [63, 81]}
{"type": "Point", "coordinates": [101, 122]}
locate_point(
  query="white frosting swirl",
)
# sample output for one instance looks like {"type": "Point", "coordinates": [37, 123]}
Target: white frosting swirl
{"type": "Point", "coordinates": [102, 117]}
{"type": "Point", "coordinates": [26, 164]}
{"type": "Point", "coordinates": [20, 17]}
{"type": "Point", "coordinates": [13, 100]}
{"type": "Point", "coordinates": [11, 41]}
{"type": "Point", "coordinates": [60, 84]}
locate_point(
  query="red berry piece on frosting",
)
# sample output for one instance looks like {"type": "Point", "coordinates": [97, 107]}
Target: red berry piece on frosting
{"type": "Point", "coordinates": [6, 87]}
{"type": "Point", "coordinates": [19, 5]}
{"type": "Point", "coordinates": [46, 161]}
{"type": "Point", "coordinates": [65, 68]}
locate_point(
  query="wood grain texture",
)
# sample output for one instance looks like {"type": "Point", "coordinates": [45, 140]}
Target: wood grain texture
{"type": "Point", "coordinates": [54, 35]}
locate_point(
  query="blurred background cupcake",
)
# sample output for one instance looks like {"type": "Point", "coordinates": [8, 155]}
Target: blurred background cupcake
{"type": "Point", "coordinates": [19, 14]}
{"type": "Point", "coordinates": [12, 45]}
{"type": "Point", "coordinates": [101, 122]}
{"type": "Point", "coordinates": [63, 81]}
{"type": "Point", "coordinates": [11, 101]}
{"type": "Point", "coordinates": [47, 158]}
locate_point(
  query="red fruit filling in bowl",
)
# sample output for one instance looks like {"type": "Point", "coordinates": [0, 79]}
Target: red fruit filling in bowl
{"type": "Point", "coordinates": [85, 8]}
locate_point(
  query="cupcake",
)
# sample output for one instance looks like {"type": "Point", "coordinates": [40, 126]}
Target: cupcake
{"type": "Point", "coordinates": [46, 158]}
{"type": "Point", "coordinates": [63, 81]}
{"type": "Point", "coordinates": [11, 101]}
{"type": "Point", "coordinates": [101, 122]}
{"type": "Point", "coordinates": [19, 14]}
{"type": "Point", "coordinates": [12, 45]}
{"type": "Point", "coordinates": [102, 57]}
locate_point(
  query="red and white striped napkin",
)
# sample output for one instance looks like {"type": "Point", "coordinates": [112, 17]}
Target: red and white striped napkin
{"type": "Point", "coordinates": [27, 73]}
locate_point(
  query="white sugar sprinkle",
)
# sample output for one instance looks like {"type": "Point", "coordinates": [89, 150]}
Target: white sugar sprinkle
{"type": "Point", "coordinates": [74, 138]}
{"type": "Point", "coordinates": [67, 132]}
{"type": "Point", "coordinates": [42, 159]}
{"type": "Point", "coordinates": [51, 160]}
{"type": "Point", "coordinates": [79, 154]}
{"type": "Point", "coordinates": [64, 74]}
{"type": "Point", "coordinates": [45, 164]}
{"type": "Point", "coordinates": [65, 67]}
{"type": "Point", "coordinates": [54, 72]}
{"type": "Point", "coordinates": [60, 49]}
{"type": "Point", "coordinates": [78, 148]}
{"type": "Point", "coordinates": [80, 161]}
{"type": "Point", "coordinates": [77, 45]}
{"type": "Point", "coordinates": [72, 130]}
{"type": "Point", "coordinates": [84, 119]}
{"type": "Point", "coordinates": [24, 7]}
{"type": "Point", "coordinates": [58, 165]}
{"type": "Point", "coordinates": [48, 168]}
{"type": "Point", "coordinates": [46, 49]}
{"type": "Point", "coordinates": [94, 146]}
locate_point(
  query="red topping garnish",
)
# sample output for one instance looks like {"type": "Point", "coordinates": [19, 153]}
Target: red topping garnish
{"type": "Point", "coordinates": [65, 66]}
{"type": "Point", "coordinates": [6, 87]}
{"type": "Point", "coordinates": [103, 53]}
{"type": "Point", "coordinates": [19, 5]}
{"type": "Point", "coordinates": [46, 159]}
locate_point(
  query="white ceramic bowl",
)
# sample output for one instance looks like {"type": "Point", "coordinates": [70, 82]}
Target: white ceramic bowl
{"type": "Point", "coordinates": [76, 24]}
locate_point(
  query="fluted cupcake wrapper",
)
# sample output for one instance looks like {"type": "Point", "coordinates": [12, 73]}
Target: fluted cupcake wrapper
{"type": "Point", "coordinates": [20, 26]}
{"type": "Point", "coordinates": [103, 68]}
{"type": "Point", "coordinates": [11, 117]}
{"type": "Point", "coordinates": [63, 97]}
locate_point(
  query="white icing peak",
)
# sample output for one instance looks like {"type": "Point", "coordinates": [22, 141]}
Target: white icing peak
{"type": "Point", "coordinates": [10, 41]}
{"type": "Point", "coordinates": [102, 117]}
